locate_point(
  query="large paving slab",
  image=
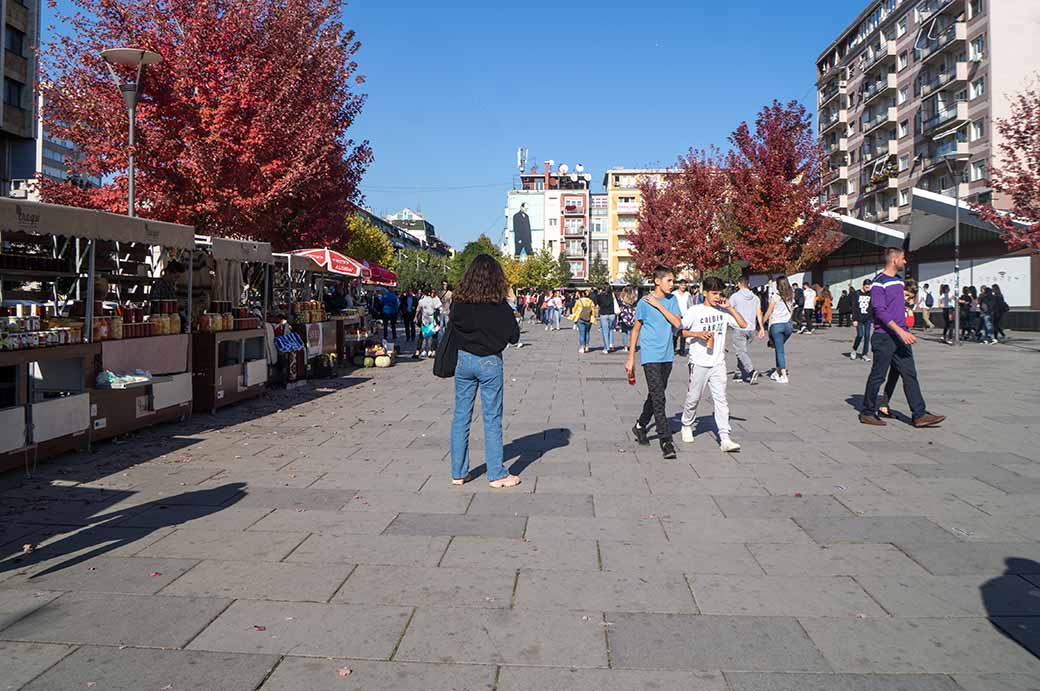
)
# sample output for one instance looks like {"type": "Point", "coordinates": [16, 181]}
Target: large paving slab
{"type": "Point", "coordinates": [319, 674]}
{"type": "Point", "coordinates": [873, 529]}
{"type": "Point", "coordinates": [129, 575]}
{"type": "Point", "coordinates": [447, 524]}
{"type": "Point", "coordinates": [428, 587]}
{"type": "Point", "coordinates": [541, 503]}
{"type": "Point", "coordinates": [21, 662]}
{"type": "Point", "coordinates": [834, 560]}
{"type": "Point", "coordinates": [261, 581]}
{"type": "Point", "coordinates": [772, 681]}
{"type": "Point", "coordinates": [520, 679]}
{"type": "Point", "coordinates": [232, 545]}
{"type": "Point", "coordinates": [603, 591]}
{"type": "Point", "coordinates": [836, 596]}
{"type": "Point", "coordinates": [476, 552]}
{"type": "Point", "coordinates": [404, 550]}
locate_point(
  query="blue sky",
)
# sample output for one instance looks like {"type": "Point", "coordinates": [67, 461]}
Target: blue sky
{"type": "Point", "coordinates": [455, 87]}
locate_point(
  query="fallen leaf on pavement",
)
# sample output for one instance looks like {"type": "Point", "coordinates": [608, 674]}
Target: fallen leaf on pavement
{"type": "Point", "coordinates": [344, 671]}
{"type": "Point", "coordinates": [156, 573]}
{"type": "Point", "coordinates": [259, 628]}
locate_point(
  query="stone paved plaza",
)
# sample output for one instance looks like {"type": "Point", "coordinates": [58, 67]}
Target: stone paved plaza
{"type": "Point", "coordinates": [283, 542]}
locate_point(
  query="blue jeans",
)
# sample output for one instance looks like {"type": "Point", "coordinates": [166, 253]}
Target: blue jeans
{"type": "Point", "coordinates": [473, 372]}
{"type": "Point", "coordinates": [624, 336]}
{"type": "Point", "coordinates": [780, 334]}
{"type": "Point", "coordinates": [554, 318]}
{"type": "Point", "coordinates": [584, 328]}
{"type": "Point", "coordinates": [987, 326]}
{"type": "Point", "coordinates": [606, 330]}
{"type": "Point", "coordinates": [862, 334]}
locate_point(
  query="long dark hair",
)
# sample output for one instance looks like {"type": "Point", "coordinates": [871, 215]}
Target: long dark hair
{"type": "Point", "coordinates": [484, 282]}
{"type": "Point", "coordinates": [783, 287]}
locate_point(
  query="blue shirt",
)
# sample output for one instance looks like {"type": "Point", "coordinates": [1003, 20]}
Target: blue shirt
{"type": "Point", "coordinates": [655, 335]}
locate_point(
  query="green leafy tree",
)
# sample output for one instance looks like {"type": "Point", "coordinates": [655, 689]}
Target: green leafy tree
{"type": "Point", "coordinates": [420, 269]}
{"type": "Point", "coordinates": [514, 271]}
{"type": "Point", "coordinates": [541, 270]}
{"type": "Point", "coordinates": [633, 276]}
{"type": "Point", "coordinates": [599, 272]}
{"type": "Point", "coordinates": [563, 270]}
{"type": "Point", "coordinates": [461, 261]}
{"type": "Point", "coordinates": [369, 243]}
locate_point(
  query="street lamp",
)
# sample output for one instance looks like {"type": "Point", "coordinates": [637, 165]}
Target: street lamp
{"type": "Point", "coordinates": [131, 91]}
{"type": "Point", "coordinates": [956, 242]}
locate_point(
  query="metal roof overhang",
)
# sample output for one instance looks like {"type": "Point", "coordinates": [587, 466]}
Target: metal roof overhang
{"type": "Point", "coordinates": [934, 215]}
{"type": "Point", "coordinates": [873, 233]}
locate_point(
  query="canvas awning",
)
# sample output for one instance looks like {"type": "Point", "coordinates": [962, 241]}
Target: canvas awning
{"type": "Point", "coordinates": [381, 275]}
{"type": "Point", "coordinates": [37, 218]}
{"type": "Point", "coordinates": [237, 250]}
{"type": "Point", "coordinates": [336, 263]}
{"type": "Point", "coordinates": [299, 263]}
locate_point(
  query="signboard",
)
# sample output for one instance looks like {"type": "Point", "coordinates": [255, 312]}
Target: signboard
{"type": "Point", "coordinates": [314, 339]}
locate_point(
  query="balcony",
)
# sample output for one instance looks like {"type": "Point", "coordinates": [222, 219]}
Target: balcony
{"type": "Point", "coordinates": [951, 150]}
{"type": "Point", "coordinates": [888, 214]}
{"type": "Point", "coordinates": [952, 35]}
{"type": "Point", "coordinates": [838, 118]}
{"type": "Point", "coordinates": [885, 51]}
{"type": "Point", "coordinates": [575, 232]}
{"type": "Point", "coordinates": [836, 174]}
{"type": "Point", "coordinates": [958, 76]}
{"type": "Point", "coordinates": [885, 149]}
{"type": "Point", "coordinates": [841, 145]}
{"type": "Point", "coordinates": [829, 93]}
{"type": "Point", "coordinates": [627, 207]}
{"type": "Point", "coordinates": [837, 202]}
{"type": "Point", "coordinates": [886, 84]}
{"type": "Point", "coordinates": [949, 116]}
{"type": "Point", "coordinates": [574, 252]}
{"type": "Point", "coordinates": [886, 115]}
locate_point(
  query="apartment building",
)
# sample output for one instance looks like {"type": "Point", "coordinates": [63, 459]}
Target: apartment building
{"type": "Point", "coordinates": [599, 227]}
{"type": "Point", "coordinates": [415, 223]}
{"type": "Point", "coordinates": [21, 32]}
{"type": "Point", "coordinates": [907, 95]}
{"type": "Point", "coordinates": [550, 209]}
{"type": "Point", "coordinates": [622, 185]}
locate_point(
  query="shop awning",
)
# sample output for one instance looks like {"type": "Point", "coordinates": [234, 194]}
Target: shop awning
{"type": "Point", "coordinates": [336, 263]}
{"type": "Point", "coordinates": [381, 275]}
{"type": "Point", "coordinates": [37, 218]}
{"type": "Point", "coordinates": [935, 214]}
{"type": "Point", "coordinates": [299, 263]}
{"type": "Point", "coordinates": [236, 250]}
{"type": "Point", "coordinates": [873, 233]}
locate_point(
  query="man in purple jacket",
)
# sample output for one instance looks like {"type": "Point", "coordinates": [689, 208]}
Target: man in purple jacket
{"type": "Point", "coordinates": [892, 343]}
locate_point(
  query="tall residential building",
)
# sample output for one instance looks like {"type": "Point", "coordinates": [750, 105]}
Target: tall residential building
{"type": "Point", "coordinates": [622, 185]}
{"type": "Point", "coordinates": [907, 95]}
{"type": "Point", "coordinates": [599, 228]}
{"type": "Point", "coordinates": [415, 223]}
{"type": "Point", "coordinates": [550, 209]}
{"type": "Point", "coordinates": [21, 33]}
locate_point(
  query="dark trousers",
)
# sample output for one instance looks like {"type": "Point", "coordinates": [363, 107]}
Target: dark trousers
{"type": "Point", "coordinates": [890, 352]}
{"type": "Point", "coordinates": [409, 327]}
{"type": "Point", "coordinates": [947, 323]}
{"type": "Point", "coordinates": [862, 334]}
{"type": "Point", "coordinates": [844, 319]}
{"type": "Point", "coordinates": [810, 318]}
{"type": "Point", "coordinates": [679, 343]}
{"type": "Point", "coordinates": [390, 323]}
{"type": "Point", "coordinates": [656, 374]}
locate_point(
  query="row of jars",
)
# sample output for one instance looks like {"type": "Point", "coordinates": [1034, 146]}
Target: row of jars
{"type": "Point", "coordinates": [41, 339]}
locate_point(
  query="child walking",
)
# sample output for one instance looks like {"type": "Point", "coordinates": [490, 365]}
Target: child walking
{"type": "Point", "coordinates": [652, 334]}
{"type": "Point", "coordinates": [707, 324]}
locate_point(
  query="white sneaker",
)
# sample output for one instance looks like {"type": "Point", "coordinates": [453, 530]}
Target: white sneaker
{"type": "Point", "coordinates": [853, 355]}
{"type": "Point", "coordinates": [687, 434]}
{"type": "Point", "coordinates": [607, 352]}
{"type": "Point", "coordinates": [580, 350]}
{"type": "Point", "coordinates": [774, 375]}
{"type": "Point", "coordinates": [866, 358]}
{"type": "Point", "coordinates": [728, 445]}
{"type": "Point", "coordinates": [783, 379]}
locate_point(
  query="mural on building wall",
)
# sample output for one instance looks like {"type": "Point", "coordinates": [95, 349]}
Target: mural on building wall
{"type": "Point", "coordinates": [522, 232]}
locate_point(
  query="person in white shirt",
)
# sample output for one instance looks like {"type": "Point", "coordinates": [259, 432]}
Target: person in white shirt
{"type": "Point", "coordinates": [706, 325]}
{"type": "Point", "coordinates": [425, 318]}
{"type": "Point", "coordinates": [749, 307]}
{"type": "Point", "coordinates": [808, 308]}
{"type": "Point", "coordinates": [925, 303]}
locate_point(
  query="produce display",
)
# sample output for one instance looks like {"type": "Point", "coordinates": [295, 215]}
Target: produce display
{"type": "Point", "coordinates": [20, 329]}
{"type": "Point", "coordinates": [223, 317]}
{"type": "Point", "coordinates": [376, 355]}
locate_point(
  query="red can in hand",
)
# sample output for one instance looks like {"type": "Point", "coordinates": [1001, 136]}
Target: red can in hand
{"type": "Point", "coordinates": [632, 378]}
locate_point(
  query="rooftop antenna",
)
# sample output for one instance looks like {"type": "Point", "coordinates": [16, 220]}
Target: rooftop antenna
{"type": "Point", "coordinates": [521, 158]}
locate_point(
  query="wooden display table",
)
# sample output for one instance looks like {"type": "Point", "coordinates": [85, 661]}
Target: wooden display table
{"type": "Point", "coordinates": [229, 366]}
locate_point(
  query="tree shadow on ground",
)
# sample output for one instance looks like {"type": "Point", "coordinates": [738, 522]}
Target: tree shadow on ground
{"type": "Point", "coordinates": [1011, 603]}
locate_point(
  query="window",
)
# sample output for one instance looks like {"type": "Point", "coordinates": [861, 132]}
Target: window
{"type": "Point", "coordinates": [978, 129]}
{"type": "Point", "coordinates": [978, 87]}
{"type": "Point", "coordinates": [904, 197]}
{"type": "Point", "coordinates": [852, 187]}
{"type": "Point", "coordinates": [597, 226]}
{"type": "Point", "coordinates": [13, 92]}
{"type": "Point", "coordinates": [904, 128]}
{"type": "Point", "coordinates": [901, 27]}
{"type": "Point", "coordinates": [14, 41]}
{"type": "Point", "coordinates": [599, 247]}
{"type": "Point", "coordinates": [904, 162]}
{"type": "Point", "coordinates": [904, 60]}
{"type": "Point", "coordinates": [961, 95]}
{"type": "Point", "coordinates": [978, 47]}
{"type": "Point", "coordinates": [974, 9]}
{"type": "Point", "coordinates": [904, 94]}
{"type": "Point", "coordinates": [552, 222]}
{"type": "Point", "coordinates": [978, 170]}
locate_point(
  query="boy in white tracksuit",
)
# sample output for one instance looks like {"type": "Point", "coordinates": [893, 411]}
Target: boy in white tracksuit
{"type": "Point", "coordinates": [706, 326]}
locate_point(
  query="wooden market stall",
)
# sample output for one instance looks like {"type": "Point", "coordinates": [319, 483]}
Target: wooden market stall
{"type": "Point", "coordinates": [230, 349]}
{"type": "Point", "coordinates": [77, 323]}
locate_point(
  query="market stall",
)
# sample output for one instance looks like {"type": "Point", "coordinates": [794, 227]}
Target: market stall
{"type": "Point", "coordinates": [86, 351]}
{"type": "Point", "coordinates": [230, 349]}
{"type": "Point", "coordinates": [344, 327]}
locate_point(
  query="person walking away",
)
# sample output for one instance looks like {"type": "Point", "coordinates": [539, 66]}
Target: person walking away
{"type": "Point", "coordinates": [484, 325]}
{"type": "Point", "coordinates": [607, 317]}
{"type": "Point", "coordinates": [947, 305]}
{"type": "Point", "coordinates": [987, 310]}
{"type": "Point", "coordinates": [583, 314]}
{"type": "Point", "coordinates": [799, 306]}
{"type": "Point", "coordinates": [926, 303]}
{"type": "Point", "coordinates": [893, 345]}
{"type": "Point", "coordinates": [707, 324]}
{"type": "Point", "coordinates": [827, 309]}
{"type": "Point", "coordinates": [391, 306]}
{"type": "Point", "coordinates": [808, 308]}
{"type": "Point", "coordinates": [778, 315]}
{"type": "Point", "coordinates": [749, 308]}
{"type": "Point", "coordinates": [627, 314]}
{"type": "Point", "coordinates": [861, 320]}
{"type": "Point", "coordinates": [974, 313]}
{"type": "Point", "coordinates": [652, 334]}
{"type": "Point", "coordinates": [844, 309]}
{"type": "Point", "coordinates": [426, 320]}
{"type": "Point", "coordinates": [446, 298]}
{"type": "Point", "coordinates": [685, 299]}
{"type": "Point", "coordinates": [408, 305]}
{"type": "Point", "coordinates": [998, 316]}
{"type": "Point", "coordinates": [556, 303]}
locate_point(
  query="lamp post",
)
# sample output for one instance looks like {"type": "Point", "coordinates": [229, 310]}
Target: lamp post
{"type": "Point", "coordinates": [131, 91]}
{"type": "Point", "coordinates": [956, 245]}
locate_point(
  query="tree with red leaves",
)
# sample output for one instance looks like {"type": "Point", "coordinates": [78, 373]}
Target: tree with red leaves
{"type": "Point", "coordinates": [1016, 182]}
{"type": "Point", "coordinates": [242, 130]}
{"type": "Point", "coordinates": [775, 177]}
{"type": "Point", "coordinates": [682, 221]}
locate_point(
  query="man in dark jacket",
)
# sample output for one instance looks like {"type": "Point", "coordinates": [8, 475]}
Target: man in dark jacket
{"type": "Point", "coordinates": [844, 308]}
{"type": "Point", "coordinates": [604, 300]}
{"type": "Point", "coordinates": [861, 318]}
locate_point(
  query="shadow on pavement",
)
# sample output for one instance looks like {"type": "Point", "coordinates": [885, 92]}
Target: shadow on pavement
{"type": "Point", "coordinates": [528, 449]}
{"type": "Point", "coordinates": [1012, 605]}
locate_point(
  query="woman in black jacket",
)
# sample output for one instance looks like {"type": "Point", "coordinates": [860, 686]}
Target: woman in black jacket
{"type": "Point", "coordinates": [484, 324]}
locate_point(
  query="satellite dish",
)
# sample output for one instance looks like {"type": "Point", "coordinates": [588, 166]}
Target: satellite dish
{"type": "Point", "coordinates": [563, 169]}
{"type": "Point", "coordinates": [574, 177]}
{"type": "Point", "coordinates": [579, 168]}
{"type": "Point", "coordinates": [550, 163]}
{"type": "Point", "coordinates": [588, 177]}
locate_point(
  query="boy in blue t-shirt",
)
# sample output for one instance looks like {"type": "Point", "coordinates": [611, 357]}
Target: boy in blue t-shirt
{"type": "Point", "coordinates": [652, 332]}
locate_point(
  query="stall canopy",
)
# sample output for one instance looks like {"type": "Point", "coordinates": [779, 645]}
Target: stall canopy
{"type": "Point", "coordinates": [300, 262]}
{"type": "Point", "coordinates": [37, 218]}
{"type": "Point", "coordinates": [381, 276]}
{"type": "Point", "coordinates": [336, 263]}
{"type": "Point", "coordinates": [237, 250]}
